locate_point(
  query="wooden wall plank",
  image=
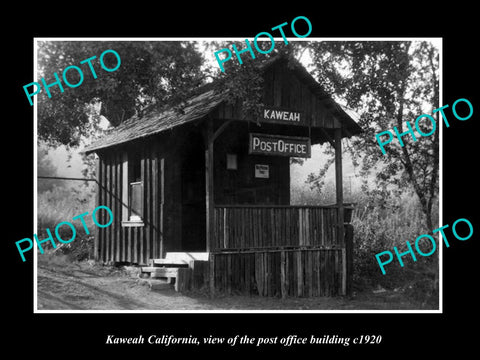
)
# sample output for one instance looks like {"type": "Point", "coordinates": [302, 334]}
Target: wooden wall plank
{"type": "Point", "coordinates": [209, 174]}
{"type": "Point", "coordinates": [155, 202]}
{"type": "Point", "coordinates": [112, 200]}
{"type": "Point", "coordinates": [323, 270]}
{"type": "Point", "coordinates": [283, 277]}
{"type": "Point", "coordinates": [129, 257]}
{"type": "Point", "coordinates": [117, 210]}
{"type": "Point", "coordinates": [107, 203]}
{"type": "Point", "coordinates": [268, 272]}
{"type": "Point", "coordinates": [268, 88]}
{"type": "Point", "coordinates": [148, 201]}
{"type": "Point", "coordinates": [248, 277]}
{"type": "Point", "coordinates": [124, 186]}
{"type": "Point", "coordinates": [277, 86]}
{"type": "Point", "coordinates": [123, 249]}
{"type": "Point", "coordinates": [228, 272]}
{"type": "Point", "coordinates": [103, 198]}
{"type": "Point", "coordinates": [299, 273]}
{"type": "Point", "coordinates": [99, 176]}
{"type": "Point", "coordinates": [135, 244]}
{"type": "Point", "coordinates": [161, 210]}
{"type": "Point", "coordinates": [309, 272]}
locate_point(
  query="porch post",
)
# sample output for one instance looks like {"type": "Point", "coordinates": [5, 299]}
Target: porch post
{"type": "Point", "coordinates": [340, 209]}
{"type": "Point", "coordinates": [209, 138]}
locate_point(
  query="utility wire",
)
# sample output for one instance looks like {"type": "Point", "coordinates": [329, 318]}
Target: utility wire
{"type": "Point", "coordinates": [65, 178]}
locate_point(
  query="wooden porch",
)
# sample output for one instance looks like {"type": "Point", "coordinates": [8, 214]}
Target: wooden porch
{"type": "Point", "coordinates": [275, 251]}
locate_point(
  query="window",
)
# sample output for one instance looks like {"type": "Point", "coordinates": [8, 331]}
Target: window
{"type": "Point", "coordinates": [135, 189]}
{"type": "Point", "coordinates": [231, 161]}
{"type": "Point", "coordinates": [132, 198]}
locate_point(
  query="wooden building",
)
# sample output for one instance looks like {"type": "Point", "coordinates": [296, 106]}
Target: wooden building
{"type": "Point", "coordinates": [209, 179]}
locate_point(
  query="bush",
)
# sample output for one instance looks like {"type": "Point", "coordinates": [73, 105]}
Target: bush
{"type": "Point", "coordinates": [78, 250]}
{"type": "Point", "coordinates": [379, 225]}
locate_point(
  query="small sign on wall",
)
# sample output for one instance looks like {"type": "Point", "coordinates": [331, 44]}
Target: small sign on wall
{"type": "Point", "coordinates": [262, 171]}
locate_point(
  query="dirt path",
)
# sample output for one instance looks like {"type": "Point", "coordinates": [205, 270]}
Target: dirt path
{"type": "Point", "coordinates": [64, 285]}
{"type": "Point", "coordinates": [84, 286]}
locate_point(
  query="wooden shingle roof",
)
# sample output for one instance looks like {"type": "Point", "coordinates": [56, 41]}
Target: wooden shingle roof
{"type": "Point", "coordinates": [156, 120]}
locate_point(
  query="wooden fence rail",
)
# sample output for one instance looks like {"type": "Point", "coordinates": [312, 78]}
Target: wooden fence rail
{"type": "Point", "coordinates": [243, 227]}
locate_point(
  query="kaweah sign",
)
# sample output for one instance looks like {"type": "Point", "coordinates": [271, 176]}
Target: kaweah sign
{"type": "Point", "coordinates": [264, 144]}
{"type": "Point", "coordinates": [283, 116]}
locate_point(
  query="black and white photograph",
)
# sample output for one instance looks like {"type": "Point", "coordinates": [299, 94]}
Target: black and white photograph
{"type": "Point", "coordinates": [246, 186]}
{"type": "Point", "coordinates": [222, 181]}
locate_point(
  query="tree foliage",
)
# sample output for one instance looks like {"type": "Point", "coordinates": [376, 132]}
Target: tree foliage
{"type": "Point", "coordinates": [243, 82]}
{"type": "Point", "coordinates": [387, 83]}
{"type": "Point", "coordinates": [161, 72]}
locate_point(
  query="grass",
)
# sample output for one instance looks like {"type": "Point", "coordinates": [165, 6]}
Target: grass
{"type": "Point", "coordinates": [63, 204]}
{"type": "Point", "coordinates": [380, 228]}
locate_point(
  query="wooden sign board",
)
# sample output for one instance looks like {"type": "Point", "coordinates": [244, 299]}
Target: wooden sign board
{"type": "Point", "coordinates": [282, 116]}
{"type": "Point", "coordinates": [264, 144]}
{"type": "Point", "coordinates": [262, 171]}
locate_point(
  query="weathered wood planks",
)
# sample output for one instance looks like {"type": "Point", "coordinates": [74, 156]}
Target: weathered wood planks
{"type": "Point", "coordinates": [133, 243]}
{"type": "Point", "coordinates": [279, 273]}
{"type": "Point", "coordinates": [252, 227]}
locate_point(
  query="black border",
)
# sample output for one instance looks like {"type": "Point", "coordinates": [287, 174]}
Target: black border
{"type": "Point", "coordinates": [406, 334]}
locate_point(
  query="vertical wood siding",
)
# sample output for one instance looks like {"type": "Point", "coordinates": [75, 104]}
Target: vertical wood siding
{"type": "Point", "coordinates": [133, 244]}
{"type": "Point", "coordinates": [280, 273]}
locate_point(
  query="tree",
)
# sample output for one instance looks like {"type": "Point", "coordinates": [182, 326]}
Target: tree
{"type": "Point", "coordinates": [387, 83]}
{"type": "Point", "coordinates": [161, 72]}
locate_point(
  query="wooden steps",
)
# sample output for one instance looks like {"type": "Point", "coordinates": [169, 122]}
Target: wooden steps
{"type": "Point", "coordinates": [165, 273]}
{"type": "Point", "coordinates": [183, 257]}
{"type": "Point", "coordinates": [168, 263]}
{"type": "Point", "coordinates": [161, 272]}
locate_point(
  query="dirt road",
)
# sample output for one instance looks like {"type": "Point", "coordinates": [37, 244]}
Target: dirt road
{"type": "Point", "coordinates": [66, 285]}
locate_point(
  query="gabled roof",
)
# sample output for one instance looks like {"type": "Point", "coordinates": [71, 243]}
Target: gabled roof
{"type": "Point", "coordinates": [155, 119]}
